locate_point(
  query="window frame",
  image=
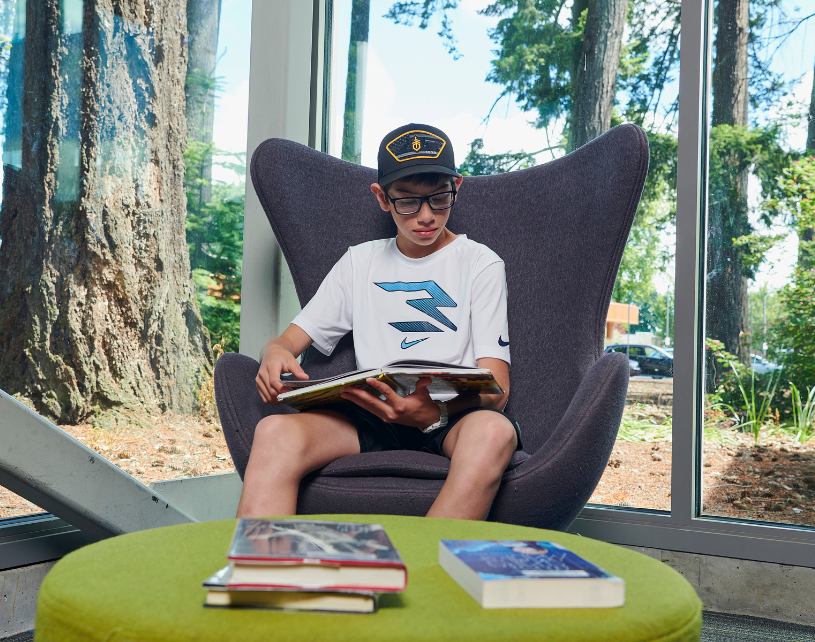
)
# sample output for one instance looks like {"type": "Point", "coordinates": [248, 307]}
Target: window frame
{"type": "Point", "coordinates": [298, 35]}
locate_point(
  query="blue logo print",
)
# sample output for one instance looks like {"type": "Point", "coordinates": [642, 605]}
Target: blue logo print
{"type": "Point", "coordinates": [503, 344]}
{"type": "Point", "coordinates": [407, 344]}
{"type": "Point", "coordinates": [438, 299]}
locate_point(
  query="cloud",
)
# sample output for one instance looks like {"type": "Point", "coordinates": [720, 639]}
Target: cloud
{"type": "Point", "coordinates": [230, 127]}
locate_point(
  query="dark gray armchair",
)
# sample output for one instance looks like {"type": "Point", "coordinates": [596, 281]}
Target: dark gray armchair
{"type": "Point", "coordinates": [561, 229]}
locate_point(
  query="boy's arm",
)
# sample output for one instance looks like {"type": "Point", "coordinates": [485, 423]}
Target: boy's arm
{"type": "Point", "coordinates": [500, 370]}
{"type": "Point", "coordinates": [280, 355]}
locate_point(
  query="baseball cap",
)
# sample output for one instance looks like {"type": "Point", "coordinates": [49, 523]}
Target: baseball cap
{"type": "Point", "coordinates": [415, 149]}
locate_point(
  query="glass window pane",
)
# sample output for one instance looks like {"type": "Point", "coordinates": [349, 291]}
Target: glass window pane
{"type": "Point", "coordinates": [759, 436]}
{"type": "Point", "coordinates": [123, 139]}
{"type": "Point", "coordinates": [512, 89]}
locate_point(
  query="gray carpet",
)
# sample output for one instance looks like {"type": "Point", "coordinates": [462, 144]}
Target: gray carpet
{"type": "Point", "coordinates": [716, 627]}
{"type": "Point", "coordinates": [719, 627]}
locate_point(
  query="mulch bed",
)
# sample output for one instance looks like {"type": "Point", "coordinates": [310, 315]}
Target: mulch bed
{"type": "Point", "coordinates": [774, 482]}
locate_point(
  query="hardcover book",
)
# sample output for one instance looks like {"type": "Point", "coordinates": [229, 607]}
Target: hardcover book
{"type": "Point", "coordinates": [401, 376]}
{"type": "Point", "coordinates": [314, 555]}
{"type": "Point", "coordinates": [527, 574]}
{"type": "Point", "coordinates": [219, 595]}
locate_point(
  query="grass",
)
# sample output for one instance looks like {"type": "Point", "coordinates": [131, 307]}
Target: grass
{"type": "Point", "coordinates": [756, 405]}
{"type": "Point", "coordinates": [803, 414]}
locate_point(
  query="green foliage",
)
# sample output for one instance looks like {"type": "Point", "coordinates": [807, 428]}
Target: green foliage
{"type": "Point", "coordinates": [638, 426]}
{"type": "Point", "coordinates": [406, 13]}
{"type": "Point", "coordinates": [796, 330]}
{"type": "Point", "coordinates": [478, 164]}
{"type": "Point", "coordinates": [750, 406]}
{"type": "Point", "coordinates": [803, 414]}
{"type": "Point", "coordinates": [215, 241]}
{"type": "Point", "coordinates": [774, 313]}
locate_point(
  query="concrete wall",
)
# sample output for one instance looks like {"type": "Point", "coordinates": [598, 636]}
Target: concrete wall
{"type": "Point", "coordinates": [19, 588]}
{"type": "Point", "coordinates": [743, 587]}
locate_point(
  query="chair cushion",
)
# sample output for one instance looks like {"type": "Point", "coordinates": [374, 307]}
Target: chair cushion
{"type": "Point", "coordinates": [399, 463]}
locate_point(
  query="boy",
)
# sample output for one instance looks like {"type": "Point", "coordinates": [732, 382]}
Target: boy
{"type": "Point", "coordinates": [427, 294]}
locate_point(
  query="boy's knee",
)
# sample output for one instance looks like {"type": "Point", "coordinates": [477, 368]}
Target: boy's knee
{"type": "Point", "coordinates": [494, 432]}
{"type": "Point", "coordinates": [280, 436]}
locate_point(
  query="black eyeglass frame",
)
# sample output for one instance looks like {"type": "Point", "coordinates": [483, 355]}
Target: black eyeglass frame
{"type": "Point", "coordinates": [423, 200]}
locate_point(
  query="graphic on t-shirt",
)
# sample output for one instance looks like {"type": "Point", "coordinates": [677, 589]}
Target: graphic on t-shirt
{"type": "Point", "coordinates": [502, 343]}
{"type": "Point", "coordinates": [438, 299]}
{"type": "Point", "coordinates": [407, 344]}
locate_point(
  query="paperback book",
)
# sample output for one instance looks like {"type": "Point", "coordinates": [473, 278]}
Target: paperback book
{"type": "Point", "coordinates": [401, 376]}
{"type": "Point", "coordinates": [527, 574]}
{"type": "Point", "coordinates": [314, 555]}
{"type": "Point", "coordinates": [219, 595]}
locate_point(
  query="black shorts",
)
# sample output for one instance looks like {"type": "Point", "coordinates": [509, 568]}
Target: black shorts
{"type": "Point", "coordinates": [376, 435]}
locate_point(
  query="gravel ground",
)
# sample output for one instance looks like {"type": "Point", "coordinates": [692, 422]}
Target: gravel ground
{"type": "Point", "coordinates": [774, 482]}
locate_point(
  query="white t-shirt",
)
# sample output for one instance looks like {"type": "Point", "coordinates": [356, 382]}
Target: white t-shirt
{"type": "Point", "coordinates": [450, 306]}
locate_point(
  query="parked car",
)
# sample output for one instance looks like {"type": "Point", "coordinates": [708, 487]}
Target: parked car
{"type": "Point", "coordinates": [651, 360]}
{"type": "Point", "coordinates": [762, 365]}
{"type": "Point", "coordinates": [633, 368]}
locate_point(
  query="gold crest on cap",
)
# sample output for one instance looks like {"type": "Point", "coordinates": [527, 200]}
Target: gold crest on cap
{"type": "Point", "coordinates": [416, 144]}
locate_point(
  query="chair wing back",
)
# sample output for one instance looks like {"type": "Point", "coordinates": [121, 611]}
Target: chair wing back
{"type": "Point", "coordinates": [560, 228]}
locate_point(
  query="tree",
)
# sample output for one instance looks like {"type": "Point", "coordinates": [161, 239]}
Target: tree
{"type": "Point", "coordinates": [553, 64]}
{"type": "Point", "coordinates": [727, 298]}
{"type": "Point", "coordinates": [355, 81]}
{"type": "Point", "coordinates": [97, 307]}
{"type": "Point", "coordinates": [796, 329]}
{"type": "Point", "coordinates": [203, 19]}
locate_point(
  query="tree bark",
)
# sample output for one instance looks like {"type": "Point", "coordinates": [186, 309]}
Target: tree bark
{"type": "Point", "coordinates": [203, 20]}
{"type": "Point", "coordinates": [727, 301]}
{"type": "Point", "coordinates": [97, 307]}
{"type": "Point", "coordinates": [595, 80]}
{"type": "Point", "coordinates": [355, 81]}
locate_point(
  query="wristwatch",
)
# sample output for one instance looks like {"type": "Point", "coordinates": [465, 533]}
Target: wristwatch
{"type": "Point", "coordinates": [442, 422]}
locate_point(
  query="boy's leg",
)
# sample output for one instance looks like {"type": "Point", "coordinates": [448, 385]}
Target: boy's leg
{"type": "Point", "coordinates": [284, 450]}
{"type": "Point", "coordinates": [479, 446]}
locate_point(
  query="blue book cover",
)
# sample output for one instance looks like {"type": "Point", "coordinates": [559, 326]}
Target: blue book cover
{"type": "Point", "coordinates": [517, 559]}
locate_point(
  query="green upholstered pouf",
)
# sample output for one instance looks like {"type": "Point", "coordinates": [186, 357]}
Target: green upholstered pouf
{"type": "Point", "coordinates": [147, 586]}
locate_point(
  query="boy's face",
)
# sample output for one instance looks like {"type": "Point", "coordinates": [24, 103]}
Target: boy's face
{"type": "Point", "coordinates": [423, 230]}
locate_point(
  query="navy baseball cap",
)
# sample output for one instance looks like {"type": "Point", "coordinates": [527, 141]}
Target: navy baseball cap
{"type": "Point", "coordinates": [415, 149]}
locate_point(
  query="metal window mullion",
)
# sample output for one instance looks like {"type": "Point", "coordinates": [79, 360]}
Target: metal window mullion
{"type": "Point", "coordinates": [690, 241]}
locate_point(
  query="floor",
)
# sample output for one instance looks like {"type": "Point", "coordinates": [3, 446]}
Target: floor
{"type": "Point", "coordinates": [716, 627]}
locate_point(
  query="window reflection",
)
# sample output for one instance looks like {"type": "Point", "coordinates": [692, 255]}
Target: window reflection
{"type": "Point", "coordinates": [513, 89]}
{"type": "Point", "coordinates": [759, 452]}
{"type": "Point", "coordinates": [121, 223]}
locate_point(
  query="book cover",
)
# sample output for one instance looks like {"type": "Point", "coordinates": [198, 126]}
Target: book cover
{"type": "Point", "coordinates": [315, 555]}
{"type": "Point", "coordinates": [401, 376]}
{"type": "Point", "coordinates": [220, 595]}
{"type": "Point", "coordinates": [519, 573]}
{"type": "Point", "coordinates": [312, 542]}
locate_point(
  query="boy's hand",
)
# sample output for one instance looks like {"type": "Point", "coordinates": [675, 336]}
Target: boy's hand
{"type": "Point", "coordinates": [417, 409]}
{"type": "Point", "coordinates": [276, 360]}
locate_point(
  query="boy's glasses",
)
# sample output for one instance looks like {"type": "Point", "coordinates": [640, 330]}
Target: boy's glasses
{"type": "Point", "coordinates": [412, 204]}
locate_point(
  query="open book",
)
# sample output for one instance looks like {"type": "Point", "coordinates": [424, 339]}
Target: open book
{"type": "Point", "coordinates": [399, 375]}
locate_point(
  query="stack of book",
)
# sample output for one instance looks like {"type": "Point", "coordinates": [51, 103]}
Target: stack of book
{"type": "Point", "coordinates": [305, 565]}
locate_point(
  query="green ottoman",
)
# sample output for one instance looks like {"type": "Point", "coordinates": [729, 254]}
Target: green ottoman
{"type": "Point", "coordinates": [147, 586]}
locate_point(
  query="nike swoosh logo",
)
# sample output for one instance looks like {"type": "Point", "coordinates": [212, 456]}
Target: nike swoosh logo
{"type": "Point", "coordinates": [502, 343]}
{"type": "Point", "coordinates": [406, 344]}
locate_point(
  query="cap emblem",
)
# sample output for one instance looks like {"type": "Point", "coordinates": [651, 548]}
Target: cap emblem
{"type": "Point", "coordinates": [416, 144]}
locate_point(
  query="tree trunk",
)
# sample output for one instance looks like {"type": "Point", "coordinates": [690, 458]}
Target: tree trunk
{"type": "Point", "coordinates": [727, 301]}
{"type": "Point", "coordinates": [355, 81]}
{"type": "Point", "coordinates": [97, 307]}
{"type": "Point", "coordinates": [595, 80]}
{"type": "Point", "coordinates": [203, 20]}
